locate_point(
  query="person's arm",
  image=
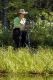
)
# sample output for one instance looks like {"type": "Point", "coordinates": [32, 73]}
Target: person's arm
{"type": "Point", "coordinates": [16, 22]}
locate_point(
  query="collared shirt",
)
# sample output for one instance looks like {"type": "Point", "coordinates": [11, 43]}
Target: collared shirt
{"type": "Point", "coordinates": [19, 23]}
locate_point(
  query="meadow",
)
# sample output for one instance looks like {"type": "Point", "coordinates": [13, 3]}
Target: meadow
{"type": "Point", "coordinates": [25, 60]}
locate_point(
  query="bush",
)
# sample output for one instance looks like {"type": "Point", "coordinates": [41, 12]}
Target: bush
{"type": "Point", "coordinates": [42, 33]}
{"type": "Point", "coordinates": [5, 37]}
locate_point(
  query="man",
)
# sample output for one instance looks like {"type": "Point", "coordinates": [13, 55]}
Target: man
{"type": "Point", "coordinates": [19, 32]}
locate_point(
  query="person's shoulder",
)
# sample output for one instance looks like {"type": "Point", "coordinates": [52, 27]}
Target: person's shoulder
{"type": "Point", "coordinates": [16, 18]}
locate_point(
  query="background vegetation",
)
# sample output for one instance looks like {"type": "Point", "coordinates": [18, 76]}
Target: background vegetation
{"type": "Point", "coordinates": [40, 11]}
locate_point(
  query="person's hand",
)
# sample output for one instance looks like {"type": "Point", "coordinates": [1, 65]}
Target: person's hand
{"type": "Point", "coordinates": [27, 27]}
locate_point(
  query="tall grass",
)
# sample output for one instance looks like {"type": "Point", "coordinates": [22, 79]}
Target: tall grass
{"type": "Point", "coordinates": [23, 60]}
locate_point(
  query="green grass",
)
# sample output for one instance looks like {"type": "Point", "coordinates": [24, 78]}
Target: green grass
{"type": "Point", "coordinates": [24, 60]}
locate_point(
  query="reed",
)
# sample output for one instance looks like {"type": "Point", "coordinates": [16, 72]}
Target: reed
{"type": "Point", "coordinates": [24, 60]}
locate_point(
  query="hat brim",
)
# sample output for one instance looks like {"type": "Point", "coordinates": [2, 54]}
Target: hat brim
{"type": "Point", "coordinates": [23, 13]}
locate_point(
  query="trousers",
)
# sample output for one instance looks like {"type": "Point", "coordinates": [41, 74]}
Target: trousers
{"type": "Point", "coordinates": [19, 37]}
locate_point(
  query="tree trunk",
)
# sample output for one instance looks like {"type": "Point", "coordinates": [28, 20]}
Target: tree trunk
{"type": "Point", "coordinates": [4, 13]}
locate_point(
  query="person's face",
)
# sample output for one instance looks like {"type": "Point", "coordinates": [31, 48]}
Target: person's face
{"type": "Point", "coordinates": [22, 15]}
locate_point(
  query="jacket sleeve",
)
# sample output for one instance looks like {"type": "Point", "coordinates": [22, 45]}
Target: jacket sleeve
{"type": "Point", "coordinates": [16, 22]}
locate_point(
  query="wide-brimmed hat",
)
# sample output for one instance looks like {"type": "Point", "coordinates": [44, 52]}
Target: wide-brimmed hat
{"type": "Point", "coordinates": [22, 11]}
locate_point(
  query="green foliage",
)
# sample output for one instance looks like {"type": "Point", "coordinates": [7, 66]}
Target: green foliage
{"type": "Point", "coordinates": [22, 60]}
{"type": "Point", "coordinates": [5, 37]}
{"type": "Point", "coordinates": [42, 32]}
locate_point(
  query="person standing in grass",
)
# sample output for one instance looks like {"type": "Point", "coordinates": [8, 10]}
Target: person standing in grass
{"type": "Point", "coordinates": [19, 32]}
